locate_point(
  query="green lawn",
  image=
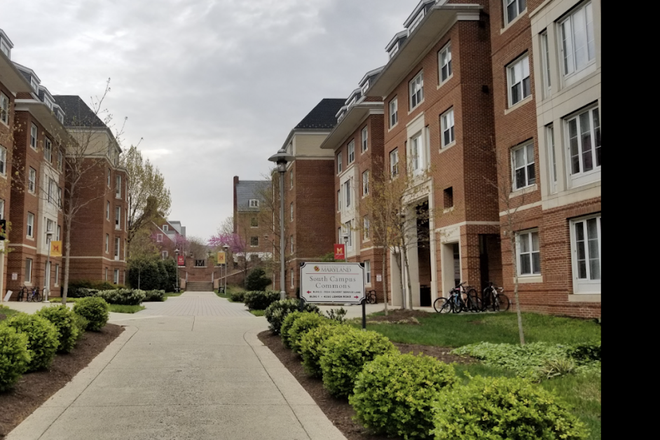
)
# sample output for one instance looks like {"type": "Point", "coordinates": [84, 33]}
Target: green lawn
{"type": "Point", "coordinates": [120, 308]}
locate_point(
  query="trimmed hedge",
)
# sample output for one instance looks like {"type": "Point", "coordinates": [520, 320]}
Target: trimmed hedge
{"type": "Point", "coordinates": [154, 295]}
{"type": "Point", "coordinates": [42, 338]}
{"type": "Point", "coordinates": [277, 311]}
{"type": "Point", "coordinates": [64, 320]}
{"type": "Point", "coordinates": [499, 408]}
{"type": "Point", "coordinates": [301, 326]}
{"type": "Point", "coordinates": [393, 394]}
{"type": "Point", "coordinates": [237, 296]}
{"type": "Point", "coordinates": [259, 300]}
{"type": "Point", "coordinates": [286, 325]}
{"type": "Point", "coordinates": [311, 345]}
{"type": "Point", "coordinates": [14, 356]}
{"type": "Point", "coordinates": [345, 354]}
{"type": "Point", "coordinates": [127, 297]}
{"type": "Point", "coordinates": [96, 310]}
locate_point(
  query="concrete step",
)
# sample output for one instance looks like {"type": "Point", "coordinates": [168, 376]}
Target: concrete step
{"type": "Point", "coordinates": [199, 286]}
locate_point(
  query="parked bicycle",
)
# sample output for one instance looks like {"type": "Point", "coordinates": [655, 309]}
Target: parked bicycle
{"type": "Point", "coordinates": [461, 298]}
{"type": "Point", "coordinates": [34, 294]}
{"type": "Point", "coordinates": [371, 297]}
{"type": "Point", "coordinates": [494, 299]}
{"type": "Point", "coordinates": [22, 294]}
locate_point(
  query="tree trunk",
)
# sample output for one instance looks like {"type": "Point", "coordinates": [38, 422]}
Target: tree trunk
{"type": "Point", "coordinates": [384, 263]}
{"type": "Point", "coordinates": [512, 239]}
{"type": "Point", "coordinates": [67, 257]}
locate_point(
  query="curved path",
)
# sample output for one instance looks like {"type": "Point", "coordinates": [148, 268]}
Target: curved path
{"type": "Point", "coordinates": [188, 368]}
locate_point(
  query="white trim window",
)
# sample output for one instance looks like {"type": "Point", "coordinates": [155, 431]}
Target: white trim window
{"type": "Point", "coordinates": [578, 47]}
{"type": "Point", "coordinates": [365, 139]}
{"type": "Point", "coordinates": [351, 151]}
{"type": "Point", "coordinates": [394, 112]}
{"type": "Point", "coordinates": [365, 183]}
{"type": "Point", "coordinates": [107, 210]}
{"type": "Point", "coordinates": [291, 212]}
{"type": "Point", "coordinates": [552, 158]}
{"type": "Point", "coordinates": [512, 9]}
{"type": "Point", "coordinates": [2, 209]}
{"type": "Point", "coordinates": [291, 178]}
{"type": "Point", "coordinates": [365, 228]}
{"type": "Point", "coordinates": [339, 200]}
{"type": "Point", "coordinates": [293, 247]}
{"type": "Point", "coordinates": [347, 192]}
{"type": "Point", "coordinates": [4, 108]}
{"type": "Point", "coordinates": [57, 274]}
{"type": "Point", "coordinates": [3, 161]}
{"type": "Point", "coordinates": [253, 203]}
{"type": "Point", "coordinates": [28, 270]}
{"type": "Point", "coordinates": [107, 243]}
{"type": "Point", "coordinates": [522, 163]}
{"type": "Point", "coordinates": [528, 253]}
{"type": "Point", "coordinates": [518, 80]}
{"type": "Point", "coordinates": [32, 180]}
{"type": "Point", "coordinates": [447, 127]}
{"type": "Point", "coordinates": [115, 277]}
{"type": "Point", "coordinates": [545, 63]}
{"type": "Point", "coordinates": [586, 254]}
{"type": "Point", "coordinates": [394, 162]}
{"type": "Point", "coordinates": [367, 272]}
{"type": "Point", "coordinates": [159, 238]}
{"type": "Point", "coordinates": [109, 177]}
{"type": "Point", "coordinates": [293, 279]}
{"type": "Point", "coordinates": [48, 150]}
{"type": "Point", "coordinates": [30, 225]}
{"type": "Point", "coordinates": [348, 230]}
{"type": "Point", "coordinates": [583, 132]}
{"type": "Point", "coordinates": [117, 248]}
{"type": "Point", "coordinates": [33, 136]}
{"type": "Point", "coordinates": [444, 63]}
{"type": "Point", "coordinates": [416, 90]}
{"type": "Point", "coordinates": [118, 186]}
{"type": "Point", "coordinates": [339, 164]}
{"type": "Point", "coordinates": [254, 241]}
{"type": "Point", "coordinates": [416, 154]}
{"type": "Point", "coordinates": [117, 217]}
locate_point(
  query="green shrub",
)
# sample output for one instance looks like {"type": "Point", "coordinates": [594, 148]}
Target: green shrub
{"type": "Point", "coordinates": [257, 280]}
{"type": "Point", "coordinates": [499, 408]}
{"type": "Point", "coordinates": [345, 354]}
{"type": "Point", "coordinates": [126, 297]}
{"type": "Point", "coordinates": [311, 345]}
{"type": "Point", "coordinates": [64, 320]}
{"type": "Point", "coordinates": [585, 352]}
{"type": "Point", "coordinates": [259, 300]}
{"type": "Point", "coordinates": [277, 311]}
{"type": "Point", "coordinates": [338, 315]}
{"type": "Point", "coordinates": [81, 322]}
{"type": "Point", "coordinates": [154, 295]}
{"type": "Point", "coordinates": [237, 296]}
{"type": "Point", "coordinates": [393, 394]}
{"type": "Point", "coordinates": [95, 310]}
{"type": "Point", "coordinates": [286, 325]}
{"type": "Point", "coordinates": [301, 326]}
{"type": "Point", "coordinates": [42, 338]}
{"type": "Point", "coordinates": [14, 356]}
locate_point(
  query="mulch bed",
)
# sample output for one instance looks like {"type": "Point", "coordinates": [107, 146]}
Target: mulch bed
{"type": "Point", "coordinates": [338, 411]}
{"type": "Point", "coordinates": [33, 389]}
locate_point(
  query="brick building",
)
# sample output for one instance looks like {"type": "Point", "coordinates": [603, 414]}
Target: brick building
{"type": "Point", "coordinates": [309, 195]}
{"type": "Point", "coordinates": [253, 217]}
{"type": "Point", "coordinates": [357, 145]}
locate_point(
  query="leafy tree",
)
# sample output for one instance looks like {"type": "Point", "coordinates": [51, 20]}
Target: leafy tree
{"type": "Point", "coordinates": [257, 280]}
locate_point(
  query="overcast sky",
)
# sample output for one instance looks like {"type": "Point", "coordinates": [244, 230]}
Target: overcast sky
{"type": "Point", "coordinates": [212, 86]}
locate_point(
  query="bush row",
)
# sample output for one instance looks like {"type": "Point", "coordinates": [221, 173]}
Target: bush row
{"type": "Point", "coordinates": [123, 296]}
{"type": "Point", "coordinates": [411, 396]}
{"type": "Point", "coordinates": [30, 342]}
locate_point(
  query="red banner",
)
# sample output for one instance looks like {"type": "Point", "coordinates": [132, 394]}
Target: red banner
{"type": "Point", "coordinates": [182, 260]}
{"type": "Point", "coordinates": [339, 252]}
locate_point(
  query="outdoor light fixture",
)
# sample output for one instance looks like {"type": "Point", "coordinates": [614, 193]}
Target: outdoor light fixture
{"type": "Point", "coordinates": [226, 248]}
{"type": "Point", "coordinates": [281, 159]}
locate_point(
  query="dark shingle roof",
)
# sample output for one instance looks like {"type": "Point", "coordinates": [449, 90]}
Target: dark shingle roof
{"type": "Point", "coordinates": [77, 113]}
{"type": "Point", "coordinates": [250, 189]}
{"type": "Point", "coordinates": [323, 115]}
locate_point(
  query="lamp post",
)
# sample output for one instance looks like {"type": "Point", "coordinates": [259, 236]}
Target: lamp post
{"type": "Point", "coordinates": [345, 236]}
{"type": "Point", "coordinates": [226, 248]}
{"type": "Point", "coordinates": [49, 236]}
{"type": "Point", "coordinates": [281, 159]}
{"type": "Point", "coordinates": [178, 283]}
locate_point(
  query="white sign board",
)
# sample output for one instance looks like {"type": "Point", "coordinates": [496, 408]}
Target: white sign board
{"type": "Point", "coordinates": [332, 282]}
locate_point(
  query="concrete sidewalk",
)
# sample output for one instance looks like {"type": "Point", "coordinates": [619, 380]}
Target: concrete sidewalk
{"type": "Point", "coordinates": [189, 368]}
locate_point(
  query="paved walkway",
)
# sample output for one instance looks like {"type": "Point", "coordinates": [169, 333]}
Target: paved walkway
{"type": "Point", "coordinates": [189, 368]}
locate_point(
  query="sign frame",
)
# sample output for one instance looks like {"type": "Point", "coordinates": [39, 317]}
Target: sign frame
{"type": "Point", "coordinates": [332, 283]}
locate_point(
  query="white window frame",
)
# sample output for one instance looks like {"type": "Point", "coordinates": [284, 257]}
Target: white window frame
{"type": "Point", "coordinates": [254, 241]}
{"type": "Point", "coordinates": [518, 7]}
{"type": "Point", "coordinates": [118, 186]}
{"type": "Point", "coordinates": [107, 243]}
{"type": "Point", "coordinates": [48, 149]}
{"type": "Point", "coordinates": [159, 238]}
{"type": "Point", "coordinates": [3, 161]}
{"type": "Point", "coordinates": [575, 149]}
{"type": "Point", "coordinates": [58, 237]}
{"type": "Point", "coordinates": [528, 249]}
{"type": "Point", "coordinates": [339, 164]}
{"type": "Point", "coordinates": [57, 275]}
{"type": "Point", "coordinates": [349, 232]}
{"type": "Point", "coordinates": [365, 183]}
{"type": "Point", "coordinates": [577, 24]}
{"type": "Point", "coordinates": [347, 193]}
{"type": "Point", "coordinates": [28, 270]}
{"type": "Point", "coordinates": [2, 209]}
{"type": "Point", "coordinates": [519, 81]}
{"type": "Point", "coordinates": [117, 248]}
{"type": "Point", "coordinates": [32, 180]}
{"type": "Point", "coordinates": [545, 63]}
{"type": "Point", "coordinates": [293, 279]}
{"type": "Point", "coordinates": [253, 203]}
{"type": "Point", "coordinates": [444, 64]}
{"type": "Point", "coordinates": [291, 212]}
{"type": "Point", "coordinates": [339, 199]}
{"type": "Point", "coordinates": [365, 139]}
{"type": "Point", "coordinates": [34, 136]}
{"type": "Point", "coordinates": [416, 153]}
{"type": "Point", "coordinates": [109, 179]}
{"type": "Point", "coordinates": [107, 210]}
{"type": "Point", "coordinates": [351, 151]}
{"type": "Point", "coordinates": [552, 157]}
{"type": "Point", "coordinates": [4, 108]}
{"type": "Point", "coordinates": [115, 277]}
{"type": "Point", "coordinates": [587, 269]}
{"type": "Point", "coordinates": [291, 178]}
{"type": "Point", "coordinates": [291, 241]}
{"type": "Point", "coordinates": [394, 163]}
{"type": "Point", "coordinates": [416, 90]}
{"type": "Point", "coordinates": [117, 217]}
{"type": "Point", "coordinates": [30, 225]}
{"type": "Point", "coordinates": [523, 166]}
{"type": "Point", "coordinates": [367, 272]}
{"type": "Point", "coordinates": [366, 228]}
{"type": "Point", "coordinates": [448, 135]}
{"type": "Point", "coordinates": [394, 111]}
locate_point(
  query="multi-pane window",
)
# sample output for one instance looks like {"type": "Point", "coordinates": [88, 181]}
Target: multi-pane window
{"type": "Point", "coordinates": [3, 161]}
{"type": "Point", "coordinates": [513, 8]}
{"type": "Point", "coordinates": [523, 166]}
{"type": "Point", "coordinates": [59, 197]}
{"type": "Point", "coordinates": [48, 150]}
{"type": "Point", "coordinates": [291, 211]}
{"type": "Point", "coordinates": [416, 152]}
{"type": "Point", "coordinates": [33, 136]}
{"type": "Point", "coordinates": [32, 180]}
{"type": "Point", "coordinates": [292, 244]}
{"type": "Point", "coordinates": [30, 225]}
{"type": "Point", "coordinates": [444, 63]}
{"type": "Point", "coordinates": [2, 209]}
{"type": "Point", "coordinates": [115, 278]}
{"type": "Point", "coordinates": [365, 228]}
{"type": "Point", "coordinates": [117, 250]}
{"type": "Point", "coordinates": [349, 232]}
{"type": "Point", "coordinates": [586, 248]}
{"type": "Point", "coordinates": [339, 167]}
{"type": "Point", "coordinates": [545, 63]}
{"type": "Point", "coordinates": [394, 112]}
{"type": "Point", "coordinates": [253, 203]}
{"type": "Point", "coordinates": [338, 199]}
{"type": "Point", "coordinates": [254, 222]}
{"type": "Point", "coordinates": [293, 279]}
{"type": "Point", "coordinates": [52, 191]}
{"type": "Point", "coordinates": [107, 210]}
{"type": "Point", "coordinates": [107, 243]}
{"type": "Point", "coordinates": [367, 272]}
{"type": "Point", "coordinates": [365, 183]}
{"type": "Point", "coordinates": [550, 143]}
{"type": "Point", "coordinates": [108, 177]}
{"type": "Point", "coordinates": [4, 108]}
{"type": "Point", "coordinates": [365, 139]}
{"type": "Point", "coordinates": [28, 270]}
{"type": "Point", "coordinates": [254, 241]}
{"type": "Point", "coordinates": [290, 178]}
{"type": "Point", "coordinates": [118, 186]}
{"type": "Point", "coordinates": [416, 90]}
{"type": "Point", "coordinates": [584, 141]}
{"type": "Point", "coordinates": [351, 151]}
{"type": "Point", "coordinates": [159, 238]}
{"type": "Point", "coordinates": [117, 217]}
{"type": "Point", "coordinates": [529, 255]}
{"type": "Point", "coordinates": [394, 162]}
{"type": "Point", "coordinates": [347, 192]}
{"type": "Point", "coordinates": [519, 85]}
{"type": "Point", "coordinates": [577, 39]}
{"type": "Point", "coordinates": [447, 127]}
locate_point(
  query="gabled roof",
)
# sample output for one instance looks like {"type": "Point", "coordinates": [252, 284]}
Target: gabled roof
{"type": "Point", "coordinates": [247, 190]}
{"type": "Point", "coordinates": [323, 115]}
{"type": "Point", "coordinates": [77, 113]}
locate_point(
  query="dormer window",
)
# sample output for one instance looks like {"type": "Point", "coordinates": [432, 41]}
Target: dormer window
{"type": "Point", "coordinates": [4, 108]}
{"type": "Point", "coordinates": [166, 228]}
{"type": "Point", "coordinates": [416, 21]}
{"type": "Point", "coordinates": [254, 203]}
{"type": "Point", "coordinates": [4, 47]}
{"type": "Point", "coordinates": [394, 49]}
{"type": "Point", "coordinates": [34, 84]}
{"type": "Point", "coordinates": [365, 87]}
